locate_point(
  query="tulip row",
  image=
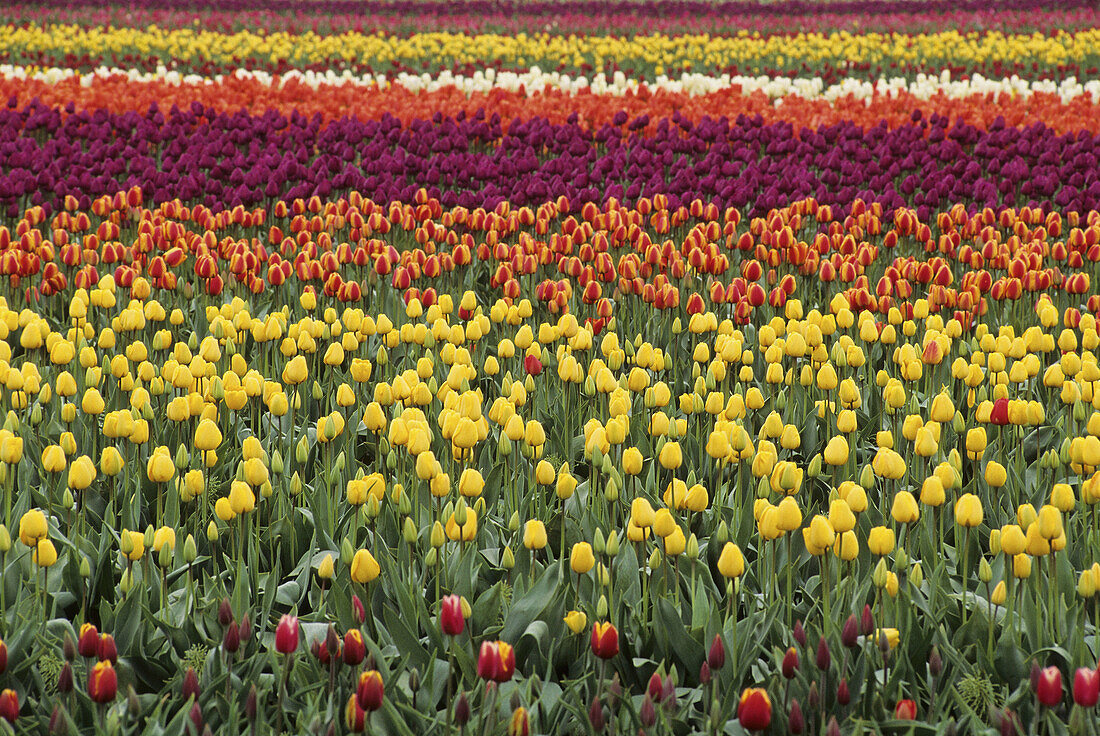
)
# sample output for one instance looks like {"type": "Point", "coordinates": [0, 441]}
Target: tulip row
{"type": "Point", "coordinates": [993, 54]}
{"type": "Point", "coordinates": [1063, 111]}
{"type": "Point", "coordinates": [535, 82]}
{"type": "Point", "coordinates": [570, 16]}
{"type": "Point", "coordinates": [901, 467]}
{"type": "Point", "coordinates": [195, 154]}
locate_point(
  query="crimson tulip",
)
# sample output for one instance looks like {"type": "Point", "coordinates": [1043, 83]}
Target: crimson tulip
{"type": "Point", "coordinates": [88, 642]}
{"type": "Point", "coordinates": [905, 710]}
{"type": "Point", "coordinates": [103, 682]}
{"type": "Point", "coordinates": [355, 651]}
{"type": "Point", "coordinates": [286, 635]}
{"type": "Point", "coordinates": [496, 661]}
{"type": "Point", "coordinates": [370, 691]}
{"type": "Point", "coordinates": [605, 640]}
{"type": "Point", "coordinates": [1048, 688]}
{"type": "Point", "coordinates": [106, 649]}
{"type": "Point", "coordinates": [716, 655]}
{"type": "Point", "coordinates": [1086, 687]}
{"type": "Point", "coordinates": [451, 619]}
{"type": "Point", "coordinates": [754, 711]}
{"type": "Point", "coordinates": [355, 718]}
{"type": "Point", "coordinates": [9, 705]}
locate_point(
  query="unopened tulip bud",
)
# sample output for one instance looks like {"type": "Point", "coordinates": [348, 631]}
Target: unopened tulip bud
{"type": "Point", "coordinates": [508, 559]}
{"type": "Point", "coordinates": [212, 532]}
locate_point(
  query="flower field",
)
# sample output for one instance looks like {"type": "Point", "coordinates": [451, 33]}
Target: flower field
{"type": "Point", "coordinates": [419, 367]}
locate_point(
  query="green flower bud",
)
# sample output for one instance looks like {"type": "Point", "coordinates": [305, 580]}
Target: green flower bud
{"type": "Point", "coordinates": [183, 457]}
{"type": "Point", "coordinates": [692, 549]}
{"type": "Point", "coordinates": [599, 544]}
{"type": "Point", "coordinates": [879, 576]}
{"type": "Point", "coordinates": [408, 531]}
{"type": "Point", "coordinates": [612, 547]}
{"type": "Point", "coordinates": [437, 536]}
{"type": "Point", "coordinates": [867, 477]}
{"type": "Point", "coordinates": [164, 557]}
{"type": "Point", "coordinates": [722, 534]}
{"type": "Point", "coordinates": [212, 531]}
{"type": "Point", "coordinates": [190, 551]}
{"type": "Point", "coordinates": [601, 607]}
{"type": "Point", "coordinates": [85, 568]}
{"type": "Point", "coordinates": [301, 452]}
{"type": "Point", "coordinates": [508, 560]}
{"type": "Point", "coordinates": [985, 572]}
{"type": "Point", "coordinates": [655, 559]}
{"type": "Point", "coordinates": [295, 484]}
{"type": "Point", "coordinates": [814, 470]}
{"type": "Point", "coordinates": [67, 500]}
{"type": "Point", "coordinates": [347, 552]}
{"type": "Point", "coordinates": [432, 557]}
{"type": "Point", "coordinates": [513, 522]}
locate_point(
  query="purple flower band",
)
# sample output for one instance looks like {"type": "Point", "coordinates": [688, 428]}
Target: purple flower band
{"type": "Point", "coordinates": [223, 160]}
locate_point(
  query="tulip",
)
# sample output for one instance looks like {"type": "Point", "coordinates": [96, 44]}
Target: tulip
{"type": "Point", "coordinates": [355, 718]}
{"type": "Point", "coordinates": [1086, 687]}
{"type": "Point", "coordinates": [106, 649]}
{"type": "Point", "coordinates": [102, 682]}
{"type": "Point", "coordinates": [9, 705]}
{"type": "Point", "coordinates": [286, 634]}
{"type": "Point", "coordinates": [364, 568]}
{"type": "Point", "coordinates": [716, 655]}
{"type": "Point", "coordinates": [576, 621]}
{"type": "Point", "coordinates": [731, 563]}
{"type": "Point", "coordinates": [581, 559]}
{"type": "Point", "coordinates": [905, 710]}
{"type": "Point", "coordinates": [790, 663]}
{"type": "Point", "coordinates": [354, 650]}
{"type": "Point", "coordinates": [452, 621]}
{"type": "Point", "coordinates": [496, 661]}
{"type": "Point", "coordinates": [1048, 688]}
{"type": "Point", "coordinates": [605, 640]}
{"type": "Point", "coordinates": [32, 527]}
{"type": "Point", "coordinates": [754, 710]}
{"type": "Point", "coordinates": [968, 511]}
{"type": "Point", "coordinates": [534, 535]}
{"type": "Point", "coordinates": [370, 691]}
{"type": "Point", "coordinates": [190, 688]}
{"type": "Point", "coordinates": [520, 724]}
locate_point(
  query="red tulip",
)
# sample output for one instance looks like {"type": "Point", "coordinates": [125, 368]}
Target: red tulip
{"type": "Point", "coordinates": [88, 642]}
{"type": "Point", "coordinates": [1086, 687]}
{"type": "Point", "coordinates": [370, 691]}
{"type": "Point", "coordinates": [1049, 687]}
{"type": "Point", "coordinates": [905, 710]}
{"type": "Point", "coordinates": [355, 718]}
{"type": "Point", "coordinates": [286, 635]}
{"type": "Point", "coordinates": [755, 709]}
{"type": "Point", "coordinates": [532, 365]}
{"type": "Point", "coordinates": [9, 706]}
{"type": "Point", "coordinates": [360, 610]}
{"type": "Point", "coordinates": [190, 687]}
{"type": "Point", "coordinates": [496, 661]}
{"type": "Point", "coordinates": [451, 620]}
{"type": "Point", "coordinates": [716, 656]}
{"type": "Point", "coordinates": [999, 414]}
{"type": "Point", "coordinates": [790, 663]}
{"type": "Point", "coordinates": [106, 649]}
{"type": "Point", "coordinates": [102, 682]}
{"type": "Point", "coordinates": [355, 651]}
{"type": "Point", "coordinates": [605, 640]}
